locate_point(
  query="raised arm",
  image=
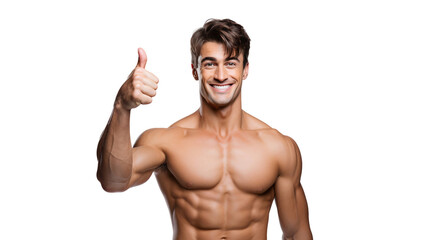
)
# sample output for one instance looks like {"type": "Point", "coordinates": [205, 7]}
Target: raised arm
{"type": "Point", "coordinates": [119, 164]}
{"type": "Point", "coordinates": [290, 198]}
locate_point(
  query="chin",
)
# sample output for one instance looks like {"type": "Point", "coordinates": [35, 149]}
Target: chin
{"type": "Point", "coordinates": [220, 103]}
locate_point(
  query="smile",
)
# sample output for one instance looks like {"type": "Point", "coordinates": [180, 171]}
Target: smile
{"type": "Point", "coordinates": [221, 88]}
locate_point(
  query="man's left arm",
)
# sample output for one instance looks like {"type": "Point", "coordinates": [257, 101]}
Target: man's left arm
{"type": "Point", "coordinates": [290, 198]}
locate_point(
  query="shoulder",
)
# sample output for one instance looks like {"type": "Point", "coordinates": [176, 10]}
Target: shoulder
{"type": "Point", "coordinates": [266, 132]}
{"type": "Point", "coordinates": [281, 145]}
{"type": "Point", "coordinates": [284, 149]}
{"type": "Point", "coordinates": [289, 160]}
{"type": "Point", "coordinates": [153, 136]}
{"type": "Point", "coordinates": [161, 136]}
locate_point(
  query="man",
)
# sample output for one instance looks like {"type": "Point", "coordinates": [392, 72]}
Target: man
{"type": "Point", "coordinates": [219, 168]}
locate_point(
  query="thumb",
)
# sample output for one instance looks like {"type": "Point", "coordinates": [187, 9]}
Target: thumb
{"type": "Point", "coordinates": [142, 58]}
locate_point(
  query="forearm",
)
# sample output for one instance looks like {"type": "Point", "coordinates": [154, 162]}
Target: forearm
{"type": "Point", "coordinates": [114, 151]}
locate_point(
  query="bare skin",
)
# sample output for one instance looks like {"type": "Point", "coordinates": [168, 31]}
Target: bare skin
{"type": "Point", "coordinates": [219, 168]}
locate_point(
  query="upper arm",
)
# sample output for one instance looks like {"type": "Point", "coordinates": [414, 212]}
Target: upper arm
{"type": "Point", "coordinates": [147, 156]}
{"type": "Point", "coordinates": [289, 194]}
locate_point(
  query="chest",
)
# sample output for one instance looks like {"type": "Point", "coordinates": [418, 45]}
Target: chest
{"type": "Point", "coordinates": [238, 163]}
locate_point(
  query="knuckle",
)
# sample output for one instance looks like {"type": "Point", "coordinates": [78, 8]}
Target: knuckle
{"type": "Point", "coordinates": [144, 73]}
{"type": "Point", "coordinates": [148, 75]}
{"type": "Point", "coordinates": [137, 76]}
{"type": "Point", "coordinates": [135, 94]}
{"type": "Point", "coordinates": [136, 84]}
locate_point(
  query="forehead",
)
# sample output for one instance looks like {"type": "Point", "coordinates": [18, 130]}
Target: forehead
{"type": "Point", "coordinates": [216, 50]}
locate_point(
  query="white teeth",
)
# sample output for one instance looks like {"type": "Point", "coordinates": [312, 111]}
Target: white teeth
{"type": "Point", "coordinates": [221, 86]}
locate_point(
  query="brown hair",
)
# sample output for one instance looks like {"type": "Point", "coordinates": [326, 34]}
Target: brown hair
{"type": "Point", "coordinates": [227, 32]}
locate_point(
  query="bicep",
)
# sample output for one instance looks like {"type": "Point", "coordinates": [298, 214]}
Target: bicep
{"type": "Point", "coordinates": [286, 201]}
{"type": "Point", "coordinates": [292, 209]}
{"type": "Point", "coordinates": [146, 158]}
{"type": "Point", "coordinates": [290, 198]}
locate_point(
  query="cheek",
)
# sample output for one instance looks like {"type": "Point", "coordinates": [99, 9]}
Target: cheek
{"type": "Point", "coordinates": [236, 73]}
{"type": "Point", "coordinates": [238, 77]}
{"type": "Point", "coordinates": [206, 75]}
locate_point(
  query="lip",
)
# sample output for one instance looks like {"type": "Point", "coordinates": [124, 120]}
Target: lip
{"type": "Point", "coordinates": [223, 87]}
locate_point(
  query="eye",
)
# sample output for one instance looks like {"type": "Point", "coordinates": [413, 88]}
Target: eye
{"type": "Point", "coordinates": [208, 64]}
{"type": "Point", "coordinates": [230, 64]}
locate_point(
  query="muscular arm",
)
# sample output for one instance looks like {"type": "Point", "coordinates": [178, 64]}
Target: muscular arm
{"type": "Point", "coordinates": [120, 166]}
{"type": "Point", "coordinates": [114, 152]}
{"type": "Point", "coordinates": [290, 199]}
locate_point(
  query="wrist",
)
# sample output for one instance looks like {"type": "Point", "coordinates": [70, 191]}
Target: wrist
{"type": "Point", "coordinates": [119, 107]}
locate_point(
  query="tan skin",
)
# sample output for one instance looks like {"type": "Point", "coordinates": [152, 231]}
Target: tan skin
{"type": "Point", "coordinates": [219, 168]}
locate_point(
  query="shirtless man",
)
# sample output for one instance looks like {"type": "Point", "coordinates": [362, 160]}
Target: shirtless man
{"type": "Point", "coordinates": [219, 168]}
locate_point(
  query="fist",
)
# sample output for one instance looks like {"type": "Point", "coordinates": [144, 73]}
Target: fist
{"type": "Point", "coordinates": [140, 86]}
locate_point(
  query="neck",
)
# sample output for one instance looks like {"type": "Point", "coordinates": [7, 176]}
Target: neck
{"type": "Point", "coordinates": [223, 121]}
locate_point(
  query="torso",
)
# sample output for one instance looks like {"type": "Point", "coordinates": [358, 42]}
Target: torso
{"type": "Point", "coordinates": [219, 188]}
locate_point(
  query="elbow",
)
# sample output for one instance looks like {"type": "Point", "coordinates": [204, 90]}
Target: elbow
{"type": "Point", "coordinates": [111, 182]}
{"type": "Point", "coordinates": [299, 235]}
{"type": "Point", "coordinates": [112, 187]}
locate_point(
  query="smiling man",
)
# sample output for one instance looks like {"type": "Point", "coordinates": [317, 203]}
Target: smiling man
{"type": "Point", "coordinates": [219, 168]}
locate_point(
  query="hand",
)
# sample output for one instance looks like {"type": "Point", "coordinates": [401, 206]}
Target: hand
{"type": "Point", "coordinates": [140, 86]}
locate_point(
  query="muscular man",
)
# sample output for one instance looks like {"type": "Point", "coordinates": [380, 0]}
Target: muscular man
{"type": "Point", "coordinates": [219, 168]}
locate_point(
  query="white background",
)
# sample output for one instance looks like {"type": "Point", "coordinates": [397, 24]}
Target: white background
{"type": "Point", "coordinates": [346, 79]}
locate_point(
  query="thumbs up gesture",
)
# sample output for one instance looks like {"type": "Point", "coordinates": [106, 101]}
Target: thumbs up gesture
{"type": "Point", "coordinates": [140, 86]}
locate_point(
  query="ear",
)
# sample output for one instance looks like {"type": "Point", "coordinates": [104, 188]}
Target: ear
{"type": "Point", "coordinates": [245, 71]}
{"type": "Point", "coordinates": [194, 72]}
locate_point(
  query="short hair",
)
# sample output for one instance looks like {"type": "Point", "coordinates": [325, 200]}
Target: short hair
{"type": "Point", "coordinates": [225, 31]}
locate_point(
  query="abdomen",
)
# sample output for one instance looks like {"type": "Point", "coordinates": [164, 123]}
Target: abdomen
{"type": "Point", "coordinates": [218, 212]}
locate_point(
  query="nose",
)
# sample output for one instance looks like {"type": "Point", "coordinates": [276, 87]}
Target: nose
{"type": "Point", "coordinates": [221, 74]}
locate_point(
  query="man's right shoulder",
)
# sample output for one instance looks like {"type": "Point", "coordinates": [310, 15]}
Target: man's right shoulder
{"type": "Point", "coordinates": [160, 136]}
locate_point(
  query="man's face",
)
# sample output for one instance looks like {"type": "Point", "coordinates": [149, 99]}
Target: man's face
{"type": "Point", "coordinates": [220, 75]}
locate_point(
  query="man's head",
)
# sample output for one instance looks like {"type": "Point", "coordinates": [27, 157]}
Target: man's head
{"type": "Point", "coordinates": [219, 60]}
{"type": "Point", "coordinates": [226, 32]}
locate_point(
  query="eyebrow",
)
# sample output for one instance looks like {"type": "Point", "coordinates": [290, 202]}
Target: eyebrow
{"type": "Point", "coordinates": [214, 59]}
{"type": "Point", "coordinates": [232, 58]}
{"type": "Point", "coordinates": [208, 59]}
